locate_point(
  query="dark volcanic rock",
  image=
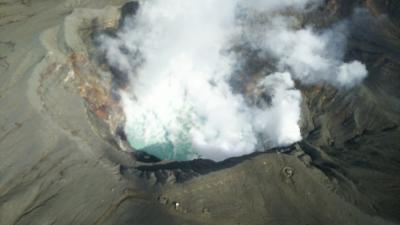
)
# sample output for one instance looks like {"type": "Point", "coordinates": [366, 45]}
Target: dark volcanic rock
{"type": "Point", "coordinates": [128, 10]}
{"type": "Point", "coordinates": [358, 129]}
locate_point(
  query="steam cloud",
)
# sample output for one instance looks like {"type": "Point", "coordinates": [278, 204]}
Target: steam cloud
{"type": "Point", "coordinates": [179, 58]}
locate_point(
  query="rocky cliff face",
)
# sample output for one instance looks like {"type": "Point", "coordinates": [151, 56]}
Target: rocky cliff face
{"type": "Point", "coordinates": [358, 129]}
{"type": "Point", "coordinates": [62, 152]}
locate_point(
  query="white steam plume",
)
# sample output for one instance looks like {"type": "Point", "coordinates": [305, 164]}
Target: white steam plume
{"type": "Point", "coordinates": [273, 6]}
{"type": "Point", "coordinates": [313, 57]}
{"type": "Point", "coordinates": [180, 105]}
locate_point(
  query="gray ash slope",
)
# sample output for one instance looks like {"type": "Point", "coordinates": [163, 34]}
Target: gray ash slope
{"type": "Point", "coordinates": [57, 167]}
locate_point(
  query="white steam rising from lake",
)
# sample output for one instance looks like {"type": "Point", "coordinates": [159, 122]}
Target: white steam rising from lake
{"type": "Point", "coordinates": [180, 103]}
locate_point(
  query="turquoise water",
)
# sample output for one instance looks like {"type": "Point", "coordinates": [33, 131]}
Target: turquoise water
{"type": "Point", "coordinates": [166, 138]}
{"type": "Point", "coordinates": [164, 148]}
